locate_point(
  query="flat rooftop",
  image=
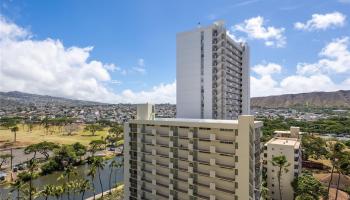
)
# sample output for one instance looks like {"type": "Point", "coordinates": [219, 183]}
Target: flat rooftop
{"type": "Point", "coordinates": [195, 122]}
{"type": "Point", "coordinates": [294, 142]}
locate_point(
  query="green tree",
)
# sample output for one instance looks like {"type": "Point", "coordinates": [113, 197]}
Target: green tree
{"type": "Point", "coordinates": [9, 122]}
{"type": "Point", "coordinates": [14, 130]}
{"type": "Point", "coordinates": [65, 156]}
{"type": "Point", "coordinates": [92, 174]}
{"type": "Point", "coordinates": [43, 148]}
{"type": "Point", "coordinates": [47, 191]}
{"type": "Point", "coordinates": [4, 158]}
{"type": "Point", "coordinates": [68, 172]}
{"type": "Point", "coordinates": [117, 131]}
{"type": "Point", "coordinates": [264, 191]}
{"type": "Point", "coordinates": [112, 166]}
{"type": "Point", "coordinates": [16, 186]}
{"type": "Point", "coordinates": [96, 145]}
{"type": "Point", "coordinates": [306, 185]}
{"type": "Point", "coordinates": [334, 153]}
{"type": "Point", "coordinates": [83, 186]}
{"type": "Point", "coordinates": [80, 150]}
{"type": "Point", "coordinates": [28, 177]}
{"type": "Point", "coordinates": [314, 147]}
{"type": "Point", "coordinates": [282, 164]}
{"type": "Point", "coordinates": [58, 191]}
{"type": "Point", "coordinates": [93, 128]}
{"type": "Point", "coordinates": [99, 164]}
{"type": "Point", "coordinates": [343, 167]}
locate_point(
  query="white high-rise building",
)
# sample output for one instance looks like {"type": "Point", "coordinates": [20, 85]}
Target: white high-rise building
{"type": "Point", "coordinates": [212, 73]}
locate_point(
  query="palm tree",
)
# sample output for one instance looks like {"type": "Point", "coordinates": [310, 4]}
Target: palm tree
{"type": "Point", "coordinates": [47, 191]}
{"type": "Point", "coordinates": [264, 191]}
{"type": "Point", "coordinates": [99, 164]}
{"type": "Point", "coordinates": [114, 164]}
{"type": "Point", "coordinates": [14, 130]}
{"type": "Point", "coordinates": [343, 168]}
{"type": "Point", "coordinates": [32, 166]}
{"type": "Point", "coordinates": [282, 164]}
{"type": "Point", "coordinates": [83, 186]}
{"type": "Point", "coordinates": [17, 185]}
{"type": "Point", "coordinates": [67, 173]}
{"type": "Point", "coordinates": [335, 151]}
{"type": "Point", "coordinates": [92, 174]}
{"type": "Point", "coordinates": [58, 191]}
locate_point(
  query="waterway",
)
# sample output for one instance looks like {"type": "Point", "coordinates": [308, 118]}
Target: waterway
{"type": "Point", "coordinates": [40, 182]}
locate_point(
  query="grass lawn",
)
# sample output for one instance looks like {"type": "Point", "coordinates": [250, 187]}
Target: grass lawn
{"type": "Point", "coordinates": [39, 134]}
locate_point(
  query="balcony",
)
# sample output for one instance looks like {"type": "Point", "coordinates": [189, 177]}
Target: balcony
{"type": "Point", "coordinates": [225, 190]}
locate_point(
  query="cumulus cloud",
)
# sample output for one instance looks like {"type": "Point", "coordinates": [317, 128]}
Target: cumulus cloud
{"type": "Point", "coordinates": [161, 93]}
{"type": "Point", "coordinates": [255, 29]}
{"type": "Point", "coordinates": [267, 69]}
{"type": "Point", "coordinates": [266, 85]}
{"type": "Point", "coordinates": [48, 67]}
{"type": "Point", "coordinates": [308, 77]}
{"type": "Point", "coordinates": [235, 38]}
{"type": "Point", "coordinates": [322, 22]}
{"type": "Point", "coordinates": [335, 59]}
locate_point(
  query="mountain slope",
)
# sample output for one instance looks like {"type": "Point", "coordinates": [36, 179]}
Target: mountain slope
{"type": "Point", "coordinates": [24, 99]}
{"type": "Point", "coordinates": [338, 99]}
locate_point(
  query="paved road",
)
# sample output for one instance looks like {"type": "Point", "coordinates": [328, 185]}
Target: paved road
{"type": "Point", "coordinates": [19, 156]}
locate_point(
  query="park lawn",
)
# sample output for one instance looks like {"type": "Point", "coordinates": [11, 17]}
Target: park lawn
{"type": "Point", "coordinates": [39, 134]}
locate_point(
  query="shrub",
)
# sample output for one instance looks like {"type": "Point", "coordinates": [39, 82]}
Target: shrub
{"type": "Point", "coordinates": [49, 167]}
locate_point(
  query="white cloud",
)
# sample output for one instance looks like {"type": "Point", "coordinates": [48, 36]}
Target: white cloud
{"type": "Point", "coordinates": [266, 85]}
{"type": "Point", "coordinates": [255, 29]}
{"type": "Point", "coordinates": [267, 69]}
{"type": "Point", "coordinates": [322, 22]}
{"type": "Point", "coordinates": [162, 93]}
{"type": "Point", "coordinates": [344, 1]}
{"type": "Point", "coordinates": [235, 38]}
{"type": "Point", "coordinates": [335, 59]}
{"type": "Point", "coordinates": [47, 67]}
{"type": "Point", "coordinates": [11, 30]}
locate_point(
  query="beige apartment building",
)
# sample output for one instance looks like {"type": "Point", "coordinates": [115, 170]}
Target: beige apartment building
{"type": "Point", "coordinates": [191, 158]}
{"type": "Point", "coordinates": [285, 143]}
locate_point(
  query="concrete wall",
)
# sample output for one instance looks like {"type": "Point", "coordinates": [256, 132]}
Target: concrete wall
{"type": "Point", "coordinates": [188, 89]}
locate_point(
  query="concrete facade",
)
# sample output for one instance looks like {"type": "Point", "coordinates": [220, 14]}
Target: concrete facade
{"type": "Point", "coordinates": [285, 143]}
{"type": "Point", "coordinates": [192, 158]}
{"type": "Point", "coordinates": [212, 74]}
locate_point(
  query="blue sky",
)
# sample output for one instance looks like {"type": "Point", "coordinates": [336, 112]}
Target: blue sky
{"type": "Point", "coordinates": [134, 43]}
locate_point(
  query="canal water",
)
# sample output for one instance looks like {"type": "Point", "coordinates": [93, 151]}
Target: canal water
{"type": "Point", "coordinates": [40, 182]}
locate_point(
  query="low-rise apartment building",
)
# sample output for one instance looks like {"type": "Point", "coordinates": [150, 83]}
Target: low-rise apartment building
{"type": "Point", "coordinates": [285, 143]}
{"type": "Point", "coordinates": [191, 158]}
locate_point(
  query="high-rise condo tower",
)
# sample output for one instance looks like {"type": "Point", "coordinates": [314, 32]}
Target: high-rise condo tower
{"type": "Point", "coordinates": [212, 73]}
